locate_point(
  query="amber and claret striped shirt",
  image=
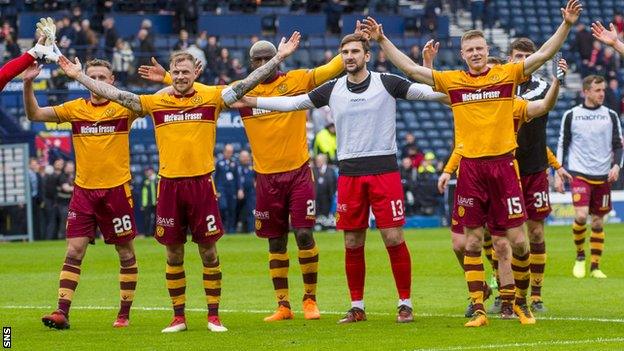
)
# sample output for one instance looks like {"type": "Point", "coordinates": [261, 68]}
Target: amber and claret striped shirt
{"type": "Point", "coordinates": [100, 134]}
{"type": "Point", "coordinates": [186, 130]}
{"type": "Point", "coordinates": [482, 108]}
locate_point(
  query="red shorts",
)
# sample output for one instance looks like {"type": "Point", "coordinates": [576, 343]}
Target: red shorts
{"type": "Point", "coordinates": [536, 195]}
{"type": "Point", "coordinates": [109, 209]}
{"type": "Point", "coordinates": [280, 195]}
{"type": "Point", "coordinates": [596, 196]}
{"type": "Point", "coordinates": [489, 193]}
{"type": "Point", "coordinates": [357, 194]}
{"type": "Point", "coordinates": [185, 203]}
{"type": "Point", "coordinates": [455, 226]}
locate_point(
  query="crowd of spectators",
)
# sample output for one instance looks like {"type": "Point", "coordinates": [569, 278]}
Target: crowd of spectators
{"type": "Point", "coordinates": [81, 36]}
{"type": "Point", "coordinates": [595, 58]}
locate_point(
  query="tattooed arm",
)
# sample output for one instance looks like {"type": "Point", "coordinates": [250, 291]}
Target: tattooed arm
{"type": "Point", "coordinates": [105, 90]}
{"type": "Point", "coordinates": [238, 90]}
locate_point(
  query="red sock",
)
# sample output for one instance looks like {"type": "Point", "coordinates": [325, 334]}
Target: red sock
{"type": "Point", "coordinates": [401, 263]}
{"type": "Point", "coordinates": [355, 267]}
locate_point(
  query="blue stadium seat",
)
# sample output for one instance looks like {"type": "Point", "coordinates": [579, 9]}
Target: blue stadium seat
{"type": "Point", "coordinates": [227, 41]}
{"type": "Point", "coordinates": [428, 125]}
{"type": "Point", "coordinates": [418, 134]}
{"type": "Point", "coordinates": [422, 143]}
{"type": "Point", "coordinates": [138, 148]}
{"type": "Point", "coordinates": [404, 105]}
{"type": "Point", "coordinates": [316, 41]}
{"type": "Point", "coordinates": [409, 116]}
{"type": "Point", "coordinates": [413, 125]}
{"type": "Point", "coordinates": [437, 143]}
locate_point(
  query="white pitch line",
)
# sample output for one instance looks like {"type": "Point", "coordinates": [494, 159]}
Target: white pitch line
{"type": "Point", "coordinates": [528, 344]}
{"type": "Point", "coordinates": [425, 315]}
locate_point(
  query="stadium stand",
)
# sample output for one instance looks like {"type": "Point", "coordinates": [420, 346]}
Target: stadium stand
{"type": "Point", "coordinates": [233, 23]}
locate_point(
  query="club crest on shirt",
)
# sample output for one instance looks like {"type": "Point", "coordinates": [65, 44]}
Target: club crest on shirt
{"type": "Point", "coordinates": [494, 78]}
{"type": "Point", "coordinates": [160, 231]}
{"type": "Point", "coordinates": [461, 211]}
{"type": "Point", "coordinates": [110, 112]}
{"type": "Point", "coordinates": [258, 224]}
{"type": "Point", "coordinates": [282, 88]}
{"type": "Point", "coordinates": [576, 197]}
{"type": "Point", "coordinates": [197, 99]}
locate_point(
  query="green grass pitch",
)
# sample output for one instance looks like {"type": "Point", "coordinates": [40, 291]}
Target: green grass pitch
{"type": "Point", "coordinates": [583, 314]}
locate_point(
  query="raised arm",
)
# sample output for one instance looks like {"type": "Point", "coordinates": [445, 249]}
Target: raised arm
{"type": "Point", "coordinates": [416, 72]}
{"type": "Point", "coordinates": [429, 53]}
{"type": "Point", "coordinates": [570, 15]}
{"type": "Point", "coordinates": [277, 103]}
{"type": "Point", "coordinates": [158, 74]}
{"type": "Point", "coordinates": [328, 71]}
{"type": "Point", "coordinates": [105, 90]}
{"type": "Point", "coordinates": [31, 106]}
{"type": "Point", "coordinates": [239, 89]}
{"type": "Point", "coordinates": [541, 107]}
{"type": "Point", "coordinates": [608, 37]}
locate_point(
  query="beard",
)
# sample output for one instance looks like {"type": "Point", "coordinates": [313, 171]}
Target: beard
{"type": "Point", "coordinates": [355, 69]}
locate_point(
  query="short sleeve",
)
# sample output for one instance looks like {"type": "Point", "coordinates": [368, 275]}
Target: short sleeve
{"type": "Point", "coordinates": [521, 109]}
{"type": "Point", "coordinates": [320, 96]}
{"type": "Point", "coordinates": [64, 111]}
{"type": "Point", "coordinates": [516, 71]}
{"type": "Point", "coordinates": [441, 81]}
{"type": "Point", "coordinates": [147, 103]}
{"type": "Point", "coordinates": [395, 85]}
{"type": "Point", "coordinates": [213, 94]}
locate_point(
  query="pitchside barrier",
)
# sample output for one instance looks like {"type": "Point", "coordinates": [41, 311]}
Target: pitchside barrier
{"type": "Point", "coordinates": [563, 210]}
{"type": "Point", "coordinates": [16, 221]}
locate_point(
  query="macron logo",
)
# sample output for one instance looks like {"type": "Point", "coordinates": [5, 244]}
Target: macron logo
{"type": "Point", "coordinates": [357, 100]}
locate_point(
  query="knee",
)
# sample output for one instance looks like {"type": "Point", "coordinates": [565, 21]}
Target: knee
{"type": "Point", "coordinates": [278, 245]}
{"type": "Point", "coordinates": [394, 240]}
{"type": "Point", "coordinates": [459, 244]}
{"type": "Point", "coordinates": [502, 248]}
{"type": "Point", "coordinates": [536, 234]}
{"type": "Point", "coordinates": [519, 245]}
{"type": "Point", "coordinates": [459, 247]}
{"type": "Point", "coordinates": [125, 252]}
{"type": "Point", "coordinates": [305, 239]}
{"type": "Point", "coordinates": [76, 251]}
{"type": "Point", "coordinates": [209, 255]}
{"type": "Point", "coordinates": [175, 254]}
{"type": "Point", "coordinates": [354, 241]}
{"type": "Point", "coordinates": [473, 243]}
{"type": "Point", "coordinates": [581, 218]}
{"type": "Point", "coordinates": [596, 225]}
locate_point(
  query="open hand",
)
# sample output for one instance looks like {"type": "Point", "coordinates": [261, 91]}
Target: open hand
{"type": "Point", "coordinates": [31, 72]}
{"type": "Point", "coordinates": [572, 11]}
{"type": "Point", "coordinates": [429, 52]}
{"type": "Point", "coordinates": [359, 30]}
{"type": "Point", "coordinates": [608, 37]}
{"type": "Point", "coordinates": [71, 69]}
{"type": "Point", "coordinates": [286, 48]}
{"type": "Point", "coordinates": [373, 29]}
{"type": "Point", "coordinates": [154, 73]}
